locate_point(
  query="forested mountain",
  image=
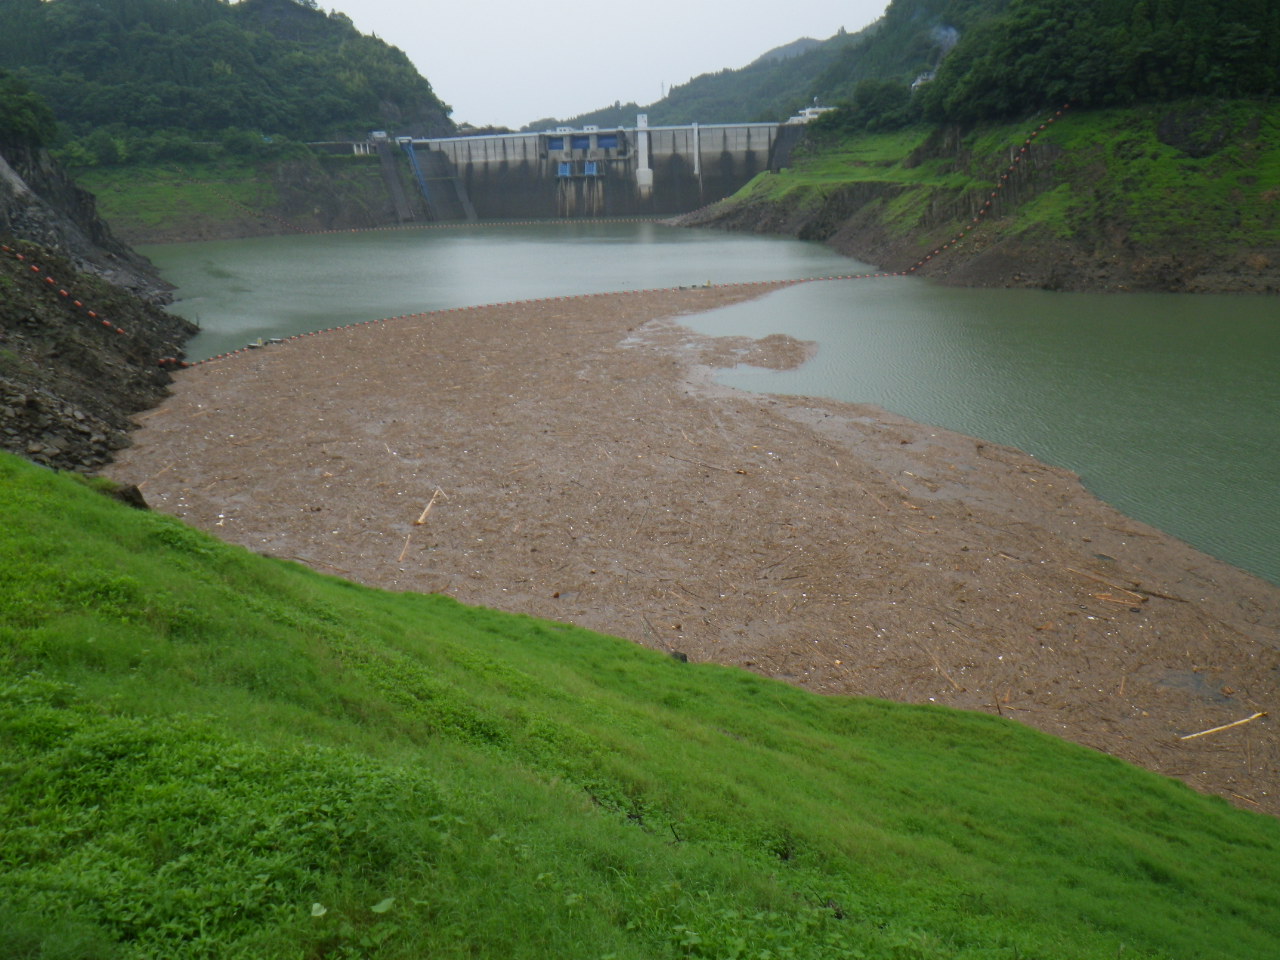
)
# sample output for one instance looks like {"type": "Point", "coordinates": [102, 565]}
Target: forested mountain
{"type": "Point", "coordinates": [788, 50]}
{"type": "Point", "coordinates": [25, 119]}
{"type": "Point", "coordinates": [1009, 57]}
{"type": "Point", "coordinates": [195, 68]}
{"type": "Point", "coordinates": [976, 59]}
{"type": "Point", "coordinates": [770, 88]}
{"type": "Point", "coordinates": [911, 38]}
{"type": "Point", "coordinates": [1108, 53]}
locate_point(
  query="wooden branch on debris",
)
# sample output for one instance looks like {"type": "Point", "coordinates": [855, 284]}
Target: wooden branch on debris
{"type": "Point", "coordinates": [420, 521]}
{"type": "Point", "coordinates": [1133, 597]}
{"type": "Point", "coordinates": [937, 663]}
{"type": "Point", "coordinates": [427, 509]}
{"type": "Point", "coordinates": [1225, 726]}
{"type": "Point", "coordinates": [1128, 600]}
{"type": "Point", "coordinates": [702, 463]}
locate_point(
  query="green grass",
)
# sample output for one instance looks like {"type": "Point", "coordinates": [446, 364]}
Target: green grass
{"type": "Point", "coordinates": [208, 753]}
{"type": "Point", "coordinates": [1120, 169]}
{"type": "Point", "coordinates": [882, 152]}
{"type": "Point", "coordinates": [194, 198]}
{"type": "Point", "coordinates": [147, 196]}
{"type": "Point", "coordinates": [1112, 176]}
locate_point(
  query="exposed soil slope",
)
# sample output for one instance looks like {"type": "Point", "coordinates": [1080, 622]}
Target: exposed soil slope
{"type": "Point", "coordinates": [81, 329]}
{"type": "Point", "coordinates": [75, 366]}
{"type": "Point", "coordinates": [40, 204]}
{"type": "Point", "coordinates": [578, 464]}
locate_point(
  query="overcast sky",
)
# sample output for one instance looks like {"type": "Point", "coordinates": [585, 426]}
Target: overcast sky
{"type": "Point", "coordinates": [509, 62]}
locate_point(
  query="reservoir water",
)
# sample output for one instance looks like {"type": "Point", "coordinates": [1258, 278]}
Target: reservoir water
{"type": "Point", "coordinates": [1168, 406]}
{"type": "Point", "coordinates": [240, 290]}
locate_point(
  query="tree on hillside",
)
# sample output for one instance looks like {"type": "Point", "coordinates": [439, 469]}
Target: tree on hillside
{"type": "Point", "coordinates": [25, 119]}
{"type": "Point", "coordinates": [1104, 52]}
{"type": "Point", "coordinates": [1020, 56]}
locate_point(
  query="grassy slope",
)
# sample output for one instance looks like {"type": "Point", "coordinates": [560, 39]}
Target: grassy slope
{"type": "Point", "coordinates": [1230, 196]}
{"type": "Point", "coordinates": [240, 197]}
{"type": "Point", "coordinates": [1113, 173]}
{"type": "Point", "coordinates": [204, 752]}
{"type": "Point", "coordinates": [141, 198]}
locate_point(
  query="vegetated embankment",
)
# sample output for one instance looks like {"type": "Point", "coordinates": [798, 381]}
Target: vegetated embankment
{"type": "Point", "coordinates": [299, 192]}
{"type": "Point", "coordinates": [209, 753]}
{"type": "Point", "coordinates": [1172, 197]}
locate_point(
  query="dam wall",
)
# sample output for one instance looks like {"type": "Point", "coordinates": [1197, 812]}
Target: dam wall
{"type": "Point", "coordinates": [593, 172]}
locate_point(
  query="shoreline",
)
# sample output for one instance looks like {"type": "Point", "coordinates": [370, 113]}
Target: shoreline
{"type": "Point", "coordinates": [591, 471]}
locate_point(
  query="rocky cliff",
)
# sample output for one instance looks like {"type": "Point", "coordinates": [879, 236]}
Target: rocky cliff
{"type": "Point", "coordinates": [84, 341]}
{"type": "Point", "coordinates": [41, 204]}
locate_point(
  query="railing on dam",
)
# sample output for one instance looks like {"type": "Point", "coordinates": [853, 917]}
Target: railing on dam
{"type": "Point", "coordinates": [591, 171]}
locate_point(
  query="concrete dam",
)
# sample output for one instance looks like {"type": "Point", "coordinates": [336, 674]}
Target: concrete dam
{"type": "Point", "coordinates": [593, 172]}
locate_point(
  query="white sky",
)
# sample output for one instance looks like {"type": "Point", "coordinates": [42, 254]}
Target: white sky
{"type": "Point", "coordinates": [509, 62]}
